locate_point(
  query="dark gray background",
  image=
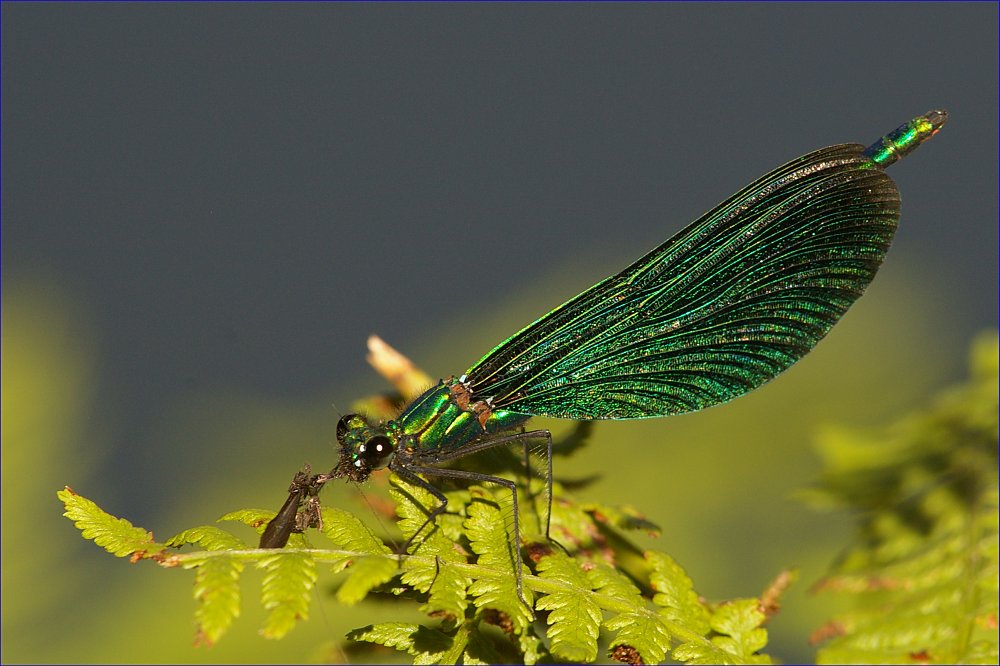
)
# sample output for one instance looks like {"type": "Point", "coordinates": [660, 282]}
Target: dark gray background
{"type": "Point", "coordinates": [236, 195]}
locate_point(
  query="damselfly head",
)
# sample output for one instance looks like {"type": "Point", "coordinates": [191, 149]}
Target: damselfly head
{"type": "Point", "coordinates": [363, 448]}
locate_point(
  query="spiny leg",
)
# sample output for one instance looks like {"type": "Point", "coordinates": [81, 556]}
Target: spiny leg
{"type": "Point", "coordinates": [548, 482]}
{"type": "Point", "coordinates": [406, 473]}
{"type": "Point", "coordinates": [547, 436]}
{"type": "Point", "coordinates": [504, 440]}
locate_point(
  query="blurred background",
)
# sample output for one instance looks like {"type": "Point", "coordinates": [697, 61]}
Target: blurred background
{"type": "Point", "coordinates": [207, 208]}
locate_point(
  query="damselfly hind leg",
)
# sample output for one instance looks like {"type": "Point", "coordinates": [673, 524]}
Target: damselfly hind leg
{"type": "Point", "coordinates": [410, 475]}
{"type": "Point", "coordinates": [409, 469]}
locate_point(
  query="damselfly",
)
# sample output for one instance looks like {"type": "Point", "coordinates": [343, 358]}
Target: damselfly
{"type": "Point", "coordinates": [724, 306]}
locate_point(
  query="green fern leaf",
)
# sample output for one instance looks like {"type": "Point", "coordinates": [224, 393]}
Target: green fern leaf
{"type": "Point", "coordinates": [573, 526]}
{"type": "Point", "coordinates": [448, 592]}
{"type": "Point", "coordinates": [446, 585]}
{"type": "Point", "coordinates": [636, 628]}
{"type": "Point", "coordinates": [611, 582]}
{"type": "Point", "coordinates": [924, 571]}
{"type": "Point", "coordinates": [417, 640]}
{"type": "Point", "coordinates": [624, 517]}
{"type": "Point", "coordinates": [287, 590]}
{"type": "Point", "coordinates": [255, 518]}
{"type": "Point", "coordinates": [480, 649]}
{"type": "Point", "coordinates": [364, 575]}
{"type": "Point", "coordinates": [575, 619]}
{"type": "Point", "coordinates": [939, 604]}
{"type": "Point", "coordinates": [463, 645]}
{"type": "Point", "coordinates": [252, 517]}
{"type": "Point", "coordinates": [455, 654]}
{"type": "Point", "coordinates": [217, 591]}
{"type": "Point", "coordinates": [413, 503]}
{"type": "Point", "coordinates": [641, 632]}
{"type": "Point", "coordinates": [208, 537]}
{"type": "Point", "coordinates": [258, 520]}
{"type": "Point", "coordinates": [675, 592]}
{"type": "Point", "coordinates": [702, 653]}
{"type": "Point", "coordinates": [489, 539]}
{"type": "Point", "coordinates": [741, 635]}
{"type": "Point", "coordinates": [532, 649]}
{"type": "Point", "coordinates": [116, 535]}
{"type": "Point", "coordinates": [349, 533]}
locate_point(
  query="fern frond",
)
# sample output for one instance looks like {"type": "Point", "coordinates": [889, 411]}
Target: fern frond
{"type": "Point", "coordinates": [574, 617]}
{"type": "Point", "coordinates": [349, 533]}
{"type": "Point", "coordinates": [366, 574]}
{"type": "Point", "coordinates": [576, 593]}
{"type": "Point", "coordinates": [208, 537]}
{"type": "Point", "coordinates": [287, 591]}
{"type": "Point", "coordinates": [255, 518]}
{"type": "Point", "coordinates": [486, 530]}
{"type": "Point", "coordinates": [217, 591]}
{"type": "Point", "coordinates": [416, 640]}
{"type": "Point", "coordinates": [740, 634]}
{"type": "Point", "coordinates": [446, 586]}
{"type": "Point", "coordinates": [115, 535]}
{"type": "Point", "coordinates": [675, 593]}
{"type": "Point", "coordinates": [924, 571]}
{"type": "Point", "coordinates": [372, 563]}
{"type": "Point", "coordinates": [637, 628]}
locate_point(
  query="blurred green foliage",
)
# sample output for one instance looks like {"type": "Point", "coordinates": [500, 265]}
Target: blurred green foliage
{"type": "Point", "coordinates": [719, 483]}
{"type": "Point", "coordinates": [922, 571]}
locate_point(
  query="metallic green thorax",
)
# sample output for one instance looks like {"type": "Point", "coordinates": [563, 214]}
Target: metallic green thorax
{"type": "Point", "coordinates": [439, 420]}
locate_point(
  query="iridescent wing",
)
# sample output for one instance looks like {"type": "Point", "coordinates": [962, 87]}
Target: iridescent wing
{"type": "Point", "coordinates": [722, 307]}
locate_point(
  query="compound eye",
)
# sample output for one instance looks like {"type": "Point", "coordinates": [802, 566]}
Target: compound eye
{"type": "Point", "coordinates": [376, 452]}
{"type": "Point", "coordinates": [344, 425]}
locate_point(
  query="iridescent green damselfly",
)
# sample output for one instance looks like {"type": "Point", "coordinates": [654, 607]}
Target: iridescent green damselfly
{"type": "Point", "coordinates": [725, 305]}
